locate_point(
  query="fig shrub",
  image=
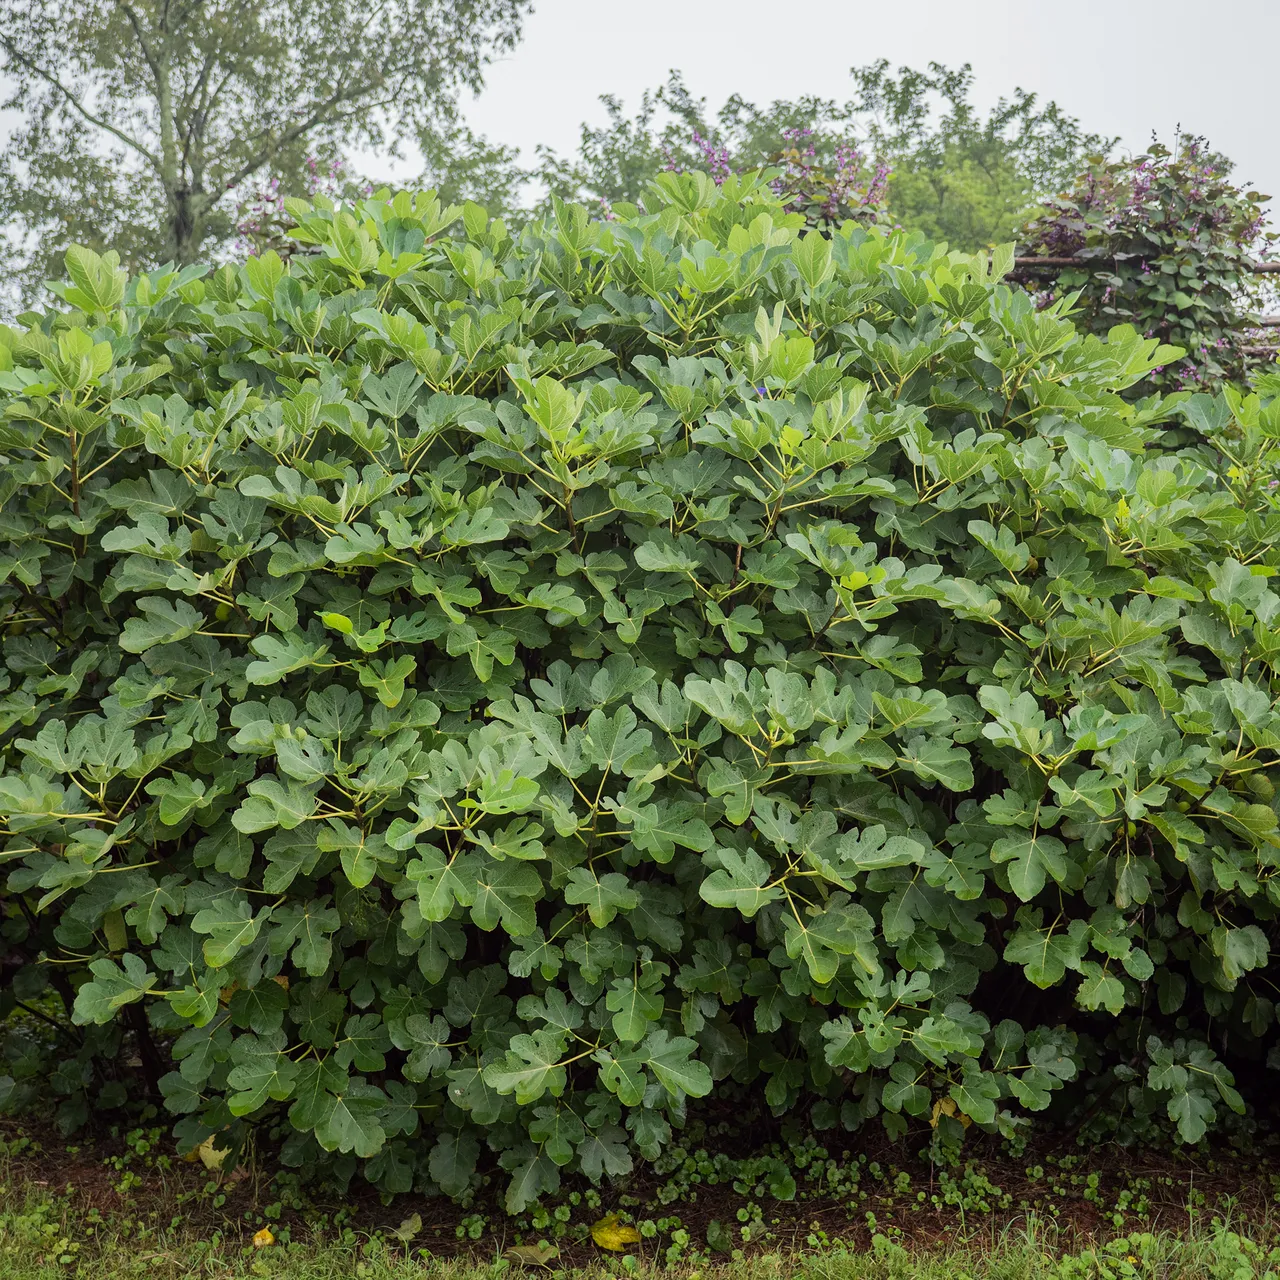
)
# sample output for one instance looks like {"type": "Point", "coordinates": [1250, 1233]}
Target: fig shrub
{"type": "Point", "coordinates": [473, 698]}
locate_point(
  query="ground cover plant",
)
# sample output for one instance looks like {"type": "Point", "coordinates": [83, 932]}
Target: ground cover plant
{"type": "Point", "coordinates": [471, 697]}
{"type": "Point", "coordinates": [124, 1205]}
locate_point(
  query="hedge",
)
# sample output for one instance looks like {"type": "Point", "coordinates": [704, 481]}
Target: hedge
{"type": "Point", "coordinates": [470, 698]}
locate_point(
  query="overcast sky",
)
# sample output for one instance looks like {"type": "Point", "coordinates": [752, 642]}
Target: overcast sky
{"type": "Point", "coordinates": [1122, 66]}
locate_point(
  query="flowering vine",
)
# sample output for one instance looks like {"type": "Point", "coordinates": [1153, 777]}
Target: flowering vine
{"type": "Point", "coordinates": [262, 222]}
{"type": "Point", "coordinates": [1166, 242]}
{"type": "Point", "coordinates": [826, 191]}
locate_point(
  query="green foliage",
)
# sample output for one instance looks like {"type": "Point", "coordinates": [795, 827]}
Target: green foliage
{"type": "Point", "coordinates": [468, 691]}
{"type": "Point", "coordinates": [459, 165]}
{"type": "Point", "coordinates": [959, 176]}
{"type": "Point", "coordinates": [1172, 240]}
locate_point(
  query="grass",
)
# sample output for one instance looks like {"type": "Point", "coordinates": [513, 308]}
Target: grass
{"type": "Point", "coordinates": [46, 1234]}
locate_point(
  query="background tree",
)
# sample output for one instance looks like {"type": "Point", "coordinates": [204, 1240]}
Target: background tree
{"type": "Point", "coordinates": [139, 116]}
{"type": "Point", "coordinates": [461, 165]}
{"type": "Point", "coordinates": [958, 175]}
{"type": "Point", "coordinates": [951, 172]}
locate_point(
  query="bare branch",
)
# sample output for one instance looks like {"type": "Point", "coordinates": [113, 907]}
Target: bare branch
{"type": "Point", "coordinates": [203, 98]}
{"type": "Point", "coordinates": [74, 102]}
{"type": "Point", "coordinates": [320, 114]}
{"type": "Point", "coordinates": [196, 116]}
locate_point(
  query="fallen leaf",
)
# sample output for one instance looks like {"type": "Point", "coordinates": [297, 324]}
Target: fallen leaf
{"type": "Point", "coordinates": [609, 1233]}
{"type": "Point", "coordinates": [261, 1239]}
{"type": "Point", "coordinates": [532, 1255]}
{"type": "Point", "coordinates": [409, 1227]}
{"type": "Point", "coordinates": [210, 1156]}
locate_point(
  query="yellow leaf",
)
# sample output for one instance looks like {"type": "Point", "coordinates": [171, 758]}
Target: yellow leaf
{"type": "Point", "coordinates": [609, 1233]}
{"type": "Point", "coordinates": [210, 1156]}
{"type": "Point", "coordinates": [947, 1107]}
{"type": "Point", "coordinates": [532, 1255]}
{"type": "Point", "coordinates": [261, 1239]}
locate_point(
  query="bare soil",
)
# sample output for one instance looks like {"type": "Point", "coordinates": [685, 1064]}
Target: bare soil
{"type": "Point", "coordinates": [1167, 1190]}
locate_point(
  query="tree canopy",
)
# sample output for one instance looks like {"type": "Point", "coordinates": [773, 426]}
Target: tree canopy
{"type": "Point", "coordinates": [138, 117]}
{"type": "Point", "coordinates": [952, 172]}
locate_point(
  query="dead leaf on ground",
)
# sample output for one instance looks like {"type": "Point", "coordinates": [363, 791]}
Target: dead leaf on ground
{"type": "Point", "coordinates": [210, 1155]}
{"type": "Point", "coordinates": [609, 1233]}
{"type": "Point", "coordinates": [532, 1255]}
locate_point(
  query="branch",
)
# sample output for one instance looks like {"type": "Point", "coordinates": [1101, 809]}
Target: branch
{"type": "Point", "coordinates": [1056, 264]}
{"type": "Point", "coordinates": [202, 97]}
{"type": "Point", "coordinates": [142, 41]}
{"type": "Point", "coordinates": [199, 108]}
{"type": "Point", "coordinates": [44, 1017]}
{"type": "Point", "coordinates": [18, 56]}
{"type": "Point", "coordinates": [318, 116]}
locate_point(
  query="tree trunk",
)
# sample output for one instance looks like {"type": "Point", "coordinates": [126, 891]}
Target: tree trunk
{"type": "Point", "coordinates": [153, 1065]}
{"type": "Point", "coordinates": [184, 237]}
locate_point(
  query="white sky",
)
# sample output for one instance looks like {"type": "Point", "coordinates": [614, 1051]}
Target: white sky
{"type": "Point", "coordinates": [1123, 67]}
